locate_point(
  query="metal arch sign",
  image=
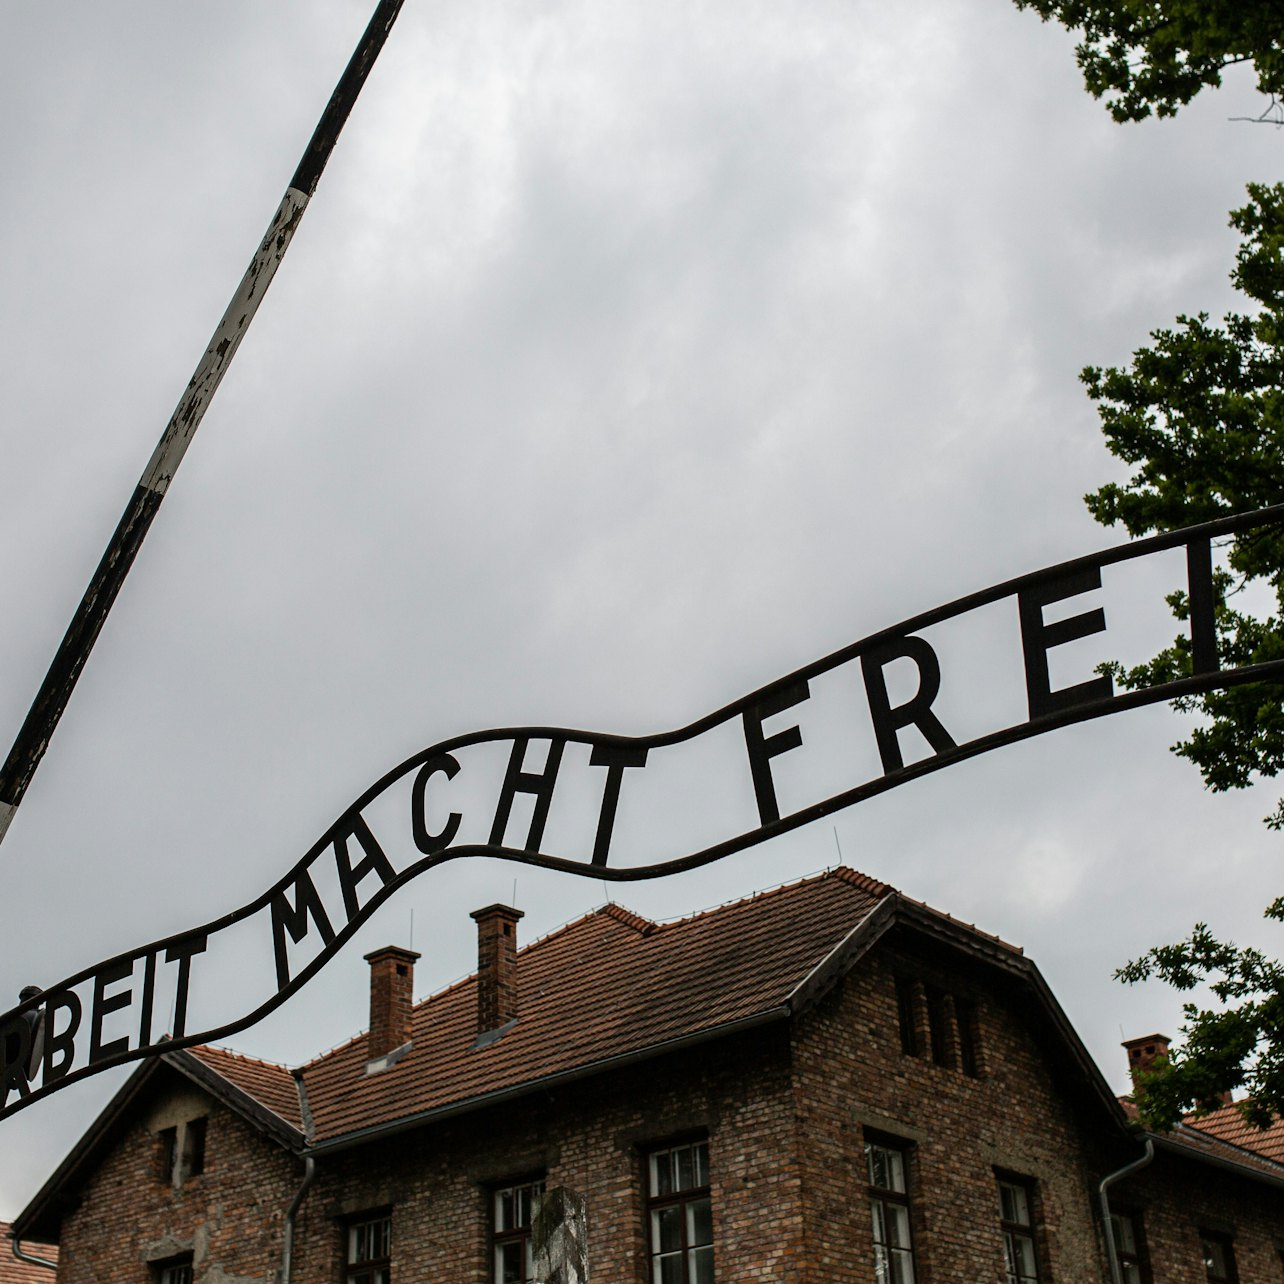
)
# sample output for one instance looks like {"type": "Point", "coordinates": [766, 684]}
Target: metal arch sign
{"type": "Point", "coordinates": [502, 793]}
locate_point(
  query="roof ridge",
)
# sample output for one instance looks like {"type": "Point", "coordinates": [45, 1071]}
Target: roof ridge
{"type": "Point", "coordinates": [842, 872]}
{"type": "Point", "coordinates": [609, 907]}
{"type": "Point", "coordinates": [630, 918]}
{"type": "Point", "coordinates": [971, 927]}
{"type": "Point", "coordinates": [241, 1056]}
{"type": "Point", "coordinates": [859, 879]}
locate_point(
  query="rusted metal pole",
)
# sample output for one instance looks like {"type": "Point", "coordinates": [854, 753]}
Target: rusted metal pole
{"type": "Point", "coordinates": [38, 727]}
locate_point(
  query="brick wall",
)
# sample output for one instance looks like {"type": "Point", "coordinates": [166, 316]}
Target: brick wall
{"type": "Point", "coordinates": [1175, 1199]}
{"type": "Point", "coordinates": [229, 1217]}
{"type": "Point", "coordinates": [1021, 1115]}
{"type": "Point", "coordinates": [786, 1113]}
{"type": "Point", "coordinates": [591, 1137]}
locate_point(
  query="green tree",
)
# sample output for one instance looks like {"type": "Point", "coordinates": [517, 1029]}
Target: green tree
{"type": "Point", "coordinates": [1156, 55]}
{"type": "Point", "coordinates": [1199, 419]}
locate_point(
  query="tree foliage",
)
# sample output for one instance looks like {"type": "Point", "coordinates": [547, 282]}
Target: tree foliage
{"type": "Point", "coordinates": [1146, 56]}
{"type": "Point", "coordinates": [1199, 419]}
{"type": "Point", "coordinates": [1239, 1045]}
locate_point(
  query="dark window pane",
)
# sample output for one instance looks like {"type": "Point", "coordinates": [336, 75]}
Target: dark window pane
{"type": "Point", "coordinates": [702, 1266]}
{"type": "Point", "coordinates": [699, 1222]}
{"type": "Point", "coordinates": [511, 1263]}
{"type": "Point", "coordinates": [668, 1270]}
{"type": "Point", "coordinates": [666, 1228]}
{"type": "Point", "coordinates": [1013, 1203]}
{"type": "Point", "coordinates": [194, 1148]}
{"type": "Point", "coordinates": [901, 1268]}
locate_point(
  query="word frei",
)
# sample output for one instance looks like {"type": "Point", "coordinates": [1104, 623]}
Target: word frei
{"type": "Point", "coordinates": [860, 721]}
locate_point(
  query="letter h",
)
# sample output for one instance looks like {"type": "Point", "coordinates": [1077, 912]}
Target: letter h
{"type": "Point", "coordinates": [527, 782]}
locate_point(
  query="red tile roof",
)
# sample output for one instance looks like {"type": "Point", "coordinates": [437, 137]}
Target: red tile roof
{"type": "Point", "coordinates": [1208, 1147]}
{"type": "Point", "coordinates": [1227, 1124]}
{"type": "Point", "coordinates": [271, 1085]}
{"type": "Point", "coordinates": [12, 1271]}
{"type": "Point", "coordinates": [1226, 1135]}
{"type": "Point", "coordinates": [609, 985]}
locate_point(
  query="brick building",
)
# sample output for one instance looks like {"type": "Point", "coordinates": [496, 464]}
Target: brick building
{"type": "Point", "coordinates": [827, 1082]}
{"type": "Point", "coordinates": [15, 1271]}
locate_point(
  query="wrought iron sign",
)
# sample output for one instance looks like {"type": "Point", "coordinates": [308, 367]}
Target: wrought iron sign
{"type": "Point", "coordinates": [601, 806]}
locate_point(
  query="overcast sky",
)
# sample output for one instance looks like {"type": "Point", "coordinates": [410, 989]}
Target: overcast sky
{"type": "Point", "coordinates": [628, 357]}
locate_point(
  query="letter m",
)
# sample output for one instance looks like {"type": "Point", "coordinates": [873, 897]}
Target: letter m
{"type": "Point", "coordinates": [295, 919]}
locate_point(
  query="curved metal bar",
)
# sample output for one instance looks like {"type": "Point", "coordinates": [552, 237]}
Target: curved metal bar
{"type": "Point", "coordinates": [350, 825]}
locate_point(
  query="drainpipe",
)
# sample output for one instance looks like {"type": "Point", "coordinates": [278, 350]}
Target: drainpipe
{"type": "Point", "coordinates": [1112, 1251]}
{"type": "Point", "coordinates": [287, 1247]}
{"type": "Point", "coordinates": [27, 1257]}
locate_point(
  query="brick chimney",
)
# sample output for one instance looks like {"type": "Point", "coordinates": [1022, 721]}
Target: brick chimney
{"type": "Point", "coordinates": [392, 987]}
{"type": "Point", "coordinates": [1144, 1052]}
{"type": "Point", "coordinates": [496, 966]}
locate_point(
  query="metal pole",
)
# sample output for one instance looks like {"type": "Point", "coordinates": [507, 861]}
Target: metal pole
{"type": "Point", "coordinates": [287, 1241]}
{"type": "Point", "coordinates": [36, 731]}
{"type": "Point", "coordinates": [1112, 1249]}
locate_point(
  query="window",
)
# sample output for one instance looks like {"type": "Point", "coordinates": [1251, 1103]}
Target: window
{"type": "Point", "coordinates": [369, 1251]}
{"type": "Point", "coordinates": [890, 1210]}
{"type": "Point", "coordinates": [166, 1154]}
{"type": "Point", "coordinates": [181, 1152]}
{"type": "Point", "coordinates": [1219, 1257]}
{"type": "Point", "coordinates": [193, 1148]}
{"type": "Point", "coordinates": [1130, 1249]}
{"type": "Point", "coordinates": [513, 1251]}
{"type": "Point", "coordinates": [177, 1270]}
{"type": "Point", "coordinates": [1016, 1216]}
{"type": "Point", "coordinates": [680, 1214]}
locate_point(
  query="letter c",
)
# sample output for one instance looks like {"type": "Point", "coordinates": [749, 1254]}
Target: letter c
{"type": "Point", "coordinates": [426, 842]}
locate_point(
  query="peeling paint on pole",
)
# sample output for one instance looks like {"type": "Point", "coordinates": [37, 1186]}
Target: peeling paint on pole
{"type": "Point", "coordinates": [223, 345]}
{"type": "Point", "coordinates": [559, 1236]}
{"type": "Point", "coordinates": [47, 708]}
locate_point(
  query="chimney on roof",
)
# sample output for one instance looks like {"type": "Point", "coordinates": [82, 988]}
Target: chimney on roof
{"type": "Point", "coordinates": [1143, 1053]}
{"type": "Point", "coordinates": [496, 966]}
{"type": "Point", "coordinates": [392, 987]}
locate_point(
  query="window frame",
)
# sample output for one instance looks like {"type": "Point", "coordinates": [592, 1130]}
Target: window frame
{"type": "Point", "coordinates": [167, 1154]}
{"type": "Point", "coordinates": [1226, 1241]}
{"type": "Point", "coordinates": [686, 1199]}
{"type": "Point", "coordinates": [368, 1269]}
{"type": "Point", "coordinates": [193, 1153]}
{"type": "Point", "coordinates": [500, 1238]}
{"type": "Point", "coordinates": [1138, 1256]}
{"type": "Point", "coordinates": [880, 1197]}
{"type": "Point", "coordinates": [168, 1271]}
{"type": "Point", "coordinates": [181, 1151]}
{"type": "Point", "coordinates": [1012, 1229]}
